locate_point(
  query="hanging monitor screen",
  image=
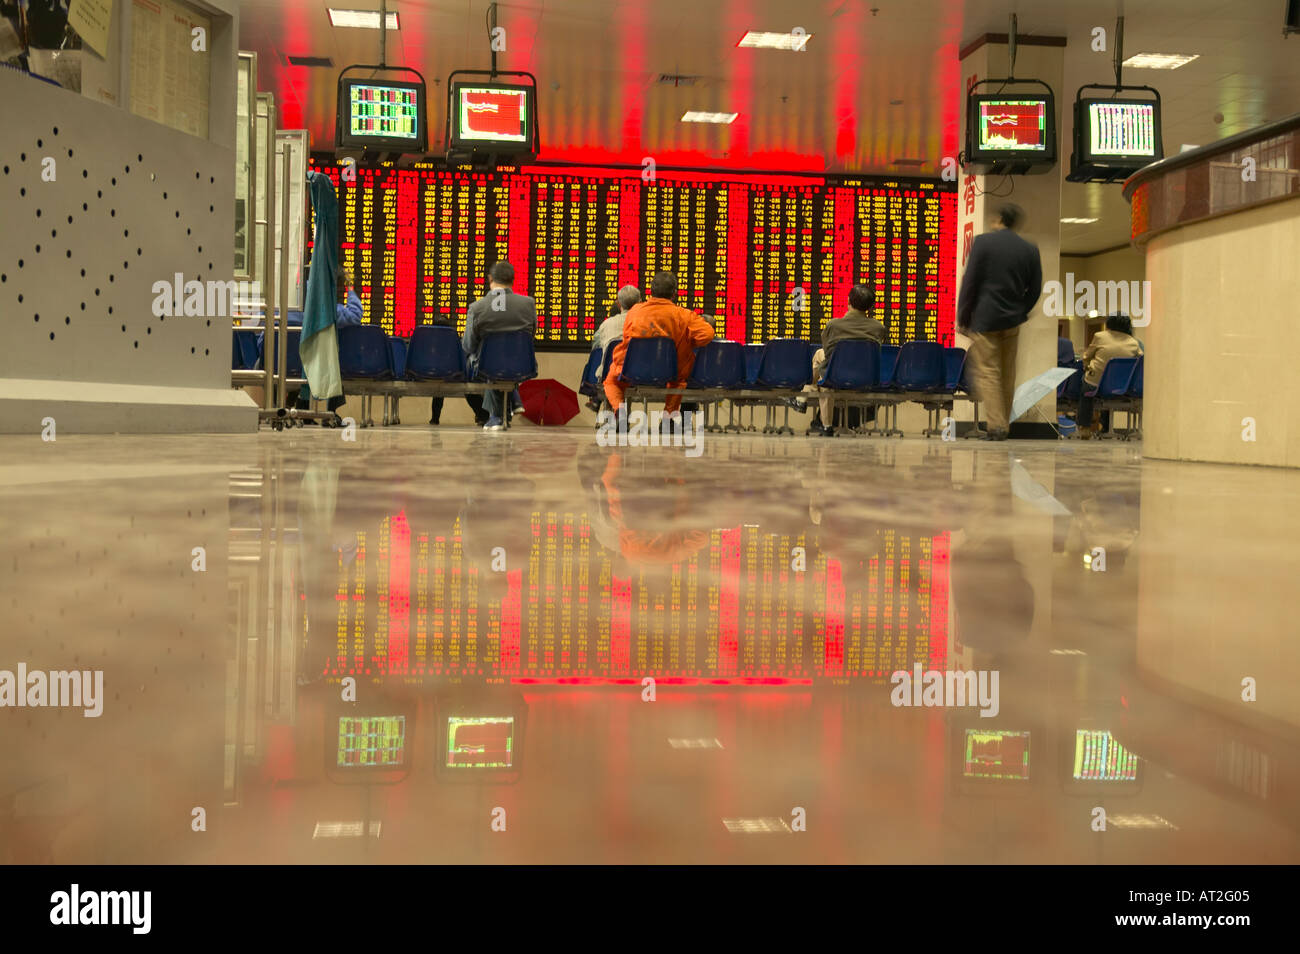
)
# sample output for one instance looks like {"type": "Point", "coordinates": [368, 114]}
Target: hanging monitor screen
{"type": "Point", "coordinates": [1012, 125]}
{"type": "Point", "coordinates": [1011, 132]}
{"type": "Point", "coordinates": [376, 114]}
{"type": "Point", "coordinates": [493, 117]}
{"type": "Point", "coordinates": [1122, 130]}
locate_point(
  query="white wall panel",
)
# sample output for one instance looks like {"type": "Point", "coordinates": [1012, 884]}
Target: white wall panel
{"type": "Point", "coordinates": [132, 203]}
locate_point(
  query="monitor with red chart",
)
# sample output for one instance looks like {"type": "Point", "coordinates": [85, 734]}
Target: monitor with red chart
{"type": "Point", "coordinates": [996, 754]}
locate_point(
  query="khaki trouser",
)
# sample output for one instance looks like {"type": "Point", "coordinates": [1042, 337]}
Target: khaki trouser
{"type": "Point", "coordinates": [992, 357]}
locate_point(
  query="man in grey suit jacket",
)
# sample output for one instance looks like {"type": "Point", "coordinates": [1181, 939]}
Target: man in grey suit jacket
{"type": "Point", "coordinates": [499, 310]}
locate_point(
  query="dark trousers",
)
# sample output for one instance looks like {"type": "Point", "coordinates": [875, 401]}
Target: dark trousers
{"type": "Point", "coordinates": [475, 402]}
{"type": "Point", "coordinates": [1086, 399]}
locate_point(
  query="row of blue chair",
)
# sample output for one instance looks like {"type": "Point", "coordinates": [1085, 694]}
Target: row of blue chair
{"type": "Point", "coordinates": [859, 373]}
{"type": "Point", "coordinates": [431, 363]}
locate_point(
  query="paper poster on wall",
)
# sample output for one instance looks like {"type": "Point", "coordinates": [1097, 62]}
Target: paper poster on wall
{"type": "Point", "coordinates": [170, 67]}
{"type": "Point", "coordinates": [91, 19]}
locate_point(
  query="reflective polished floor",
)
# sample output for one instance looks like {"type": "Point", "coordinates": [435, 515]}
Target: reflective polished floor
{"type": "Point", "coordinates": [441, 645]}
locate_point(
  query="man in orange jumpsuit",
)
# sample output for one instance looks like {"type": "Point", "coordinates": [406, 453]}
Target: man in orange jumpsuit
{"type": "Point", "coordinates": [659, 317]}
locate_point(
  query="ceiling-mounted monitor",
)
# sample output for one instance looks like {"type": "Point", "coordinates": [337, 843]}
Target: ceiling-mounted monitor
{"type": "Point", "coordinates": [1114, 135]}
{"type": "Point", "coordinates": [489, 117]}
{"type": "Point", "coordinates": [1011, 132]}
{"type": "Point", "coordinates": [381, 115]}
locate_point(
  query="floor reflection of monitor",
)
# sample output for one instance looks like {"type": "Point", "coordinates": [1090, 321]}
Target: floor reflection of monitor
{"type": "Point", "coordinates": [996, 754]}
{"type": "Point", "coordinates": [372, 744]}
{"type": "Point", "coordinates": [366, 742]}
{"type": "Point", "coordinates": [481, 736]}
{"type": "Point", "coordinates": [486, 742]}
{"type": "Point", "coordinates": [1100, 764]}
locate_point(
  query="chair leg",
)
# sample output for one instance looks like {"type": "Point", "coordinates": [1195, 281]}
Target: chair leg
{"type": "Point", "coordinates": [396, 419]}
{"type": "Point", "coordinates": [386, 417]}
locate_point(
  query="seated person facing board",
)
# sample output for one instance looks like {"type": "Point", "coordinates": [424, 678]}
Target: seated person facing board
{"type": "Point", "coordinates": [856, 325]}
{"type": "Point", "coordinates": [497, 311]}
{"type": "Point", "coordinates": [660, 317]}
{"type": "Point", "coordinates": [611, 329]}
{"type": "Point", "coordinates": [1116, 341]}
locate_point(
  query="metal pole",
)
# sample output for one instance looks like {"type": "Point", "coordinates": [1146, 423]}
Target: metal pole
{"type": "Point", "coordinates": [1119, 51]}
{"type": "Point", "coordinates": [268, 263]}
{"type": "Point", "coordinates": [1011, 48]}
{"type": "Point", "coordinates": [383, 32]}
{"type": "Point", "coordinates": [282, 355]}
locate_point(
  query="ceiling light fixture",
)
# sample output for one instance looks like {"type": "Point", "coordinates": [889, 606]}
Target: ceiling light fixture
{"type": "Point", "coordinates": [1160, 61]}
{"type": "Point", "coordinates": [694, 116]}
{"type": "Point", "coordinates": [1073, 221]}
{"type": "Point", "coordinates": [361, 19]}
{"type": "Point", "coordinates": [790, 42]}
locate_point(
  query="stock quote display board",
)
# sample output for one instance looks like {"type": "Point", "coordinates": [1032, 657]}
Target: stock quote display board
{"type": "Point", "coordinates": [773, 255]}
{"type": "Point", "coordinates": [720, 606]}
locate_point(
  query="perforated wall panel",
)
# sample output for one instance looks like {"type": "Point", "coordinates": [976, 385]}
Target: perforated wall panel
{"type": "Point", "coordinates": [96, 206]}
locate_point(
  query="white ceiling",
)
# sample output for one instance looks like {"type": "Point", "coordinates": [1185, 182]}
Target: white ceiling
{"type": "Point", "coordinates": [829, 108]}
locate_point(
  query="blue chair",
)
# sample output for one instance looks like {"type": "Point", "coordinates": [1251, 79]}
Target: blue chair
{"type": "Point", "coordinates": [505, 359]}
{"type": "Point", "coordinates": [1064, 352]}
{"type": "Point", "coordinates": [954, 364]}
{"type": "Point", "coordinates": [718, 364]}
{"type": "Point", "coordinates": [649, 363]}
{"type": "Point", "coordinates": [589, 386]}
{"type": "Point", "coordinates": [1114, 391]}
{"type": "Point", "coordinates": [293, 361]}
{"type": "Point", "coordinates": [244, 357]}
{"type": "Point", "coordinates": [364, 353]}
{"type": "Point", "coordinates": [605, 362]}
{"type": "Point", "coordinates": [397, 354]}
{"type": "Point", "coordinates": [434, 354]}
{"type": "Point", "coordinates": [920, 367]}
{"type": "Point", "coordinates": [786, 366]}
{"type": "Point", "coordinates": [854, 365]}
{"type": "Point", "coordinates": [1116, 378]}
{"type": "Point", "coordinates": [753, 359]}
{"type": "Point", "coordinates": [888, 361]}
{"type": "Point", "coordinates": [1135, 384]}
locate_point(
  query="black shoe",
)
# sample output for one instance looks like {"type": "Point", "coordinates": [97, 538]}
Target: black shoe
{"type": "Point", "coordinates": [996, 436]}
{"type": "Point", "coordinates": [433, 421]}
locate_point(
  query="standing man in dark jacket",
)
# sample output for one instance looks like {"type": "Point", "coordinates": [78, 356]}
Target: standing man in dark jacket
{"type": "Point", "coordinates": [499, 310]}
{"type": "Point", "coordinates": [1003, 280]}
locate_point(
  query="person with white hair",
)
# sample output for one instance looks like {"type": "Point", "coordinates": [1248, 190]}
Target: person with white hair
{"type": "Point", "coordinates": [611, 329]}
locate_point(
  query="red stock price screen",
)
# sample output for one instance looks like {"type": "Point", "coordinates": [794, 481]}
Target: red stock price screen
{"type": "Point", "coordinates": [773, 255]}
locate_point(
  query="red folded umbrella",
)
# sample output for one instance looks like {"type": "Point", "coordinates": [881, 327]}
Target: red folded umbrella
{"type": "Point", "coordinates": [548, 403]}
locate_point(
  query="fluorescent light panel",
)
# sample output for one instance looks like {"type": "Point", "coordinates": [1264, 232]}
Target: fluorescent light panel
{"type": "Point", "coordinates": [344, 829]}
{"type": "Point", "coordinates": [756, 826]}
{"type": "Point", "coordinates": [1072, 221]}
{"type": "Point", "coordinates": [1160, 61]}
{"type": "Point", "coordinates": [757, 40]}
{"type": "Point", "coordinates": [695, 116]}
{"type": "Point", "coordinates": [361, 19]}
